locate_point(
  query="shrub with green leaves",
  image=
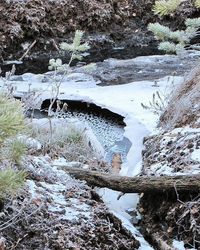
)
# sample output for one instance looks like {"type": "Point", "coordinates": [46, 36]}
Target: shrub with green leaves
{"type": "Point", "coordinates": [11, 123]}
{"type": "Point", "coordinates": [11, 117]}
{"type": "Point", "coordinates": [169, 7]}
{"type": "Point", "coordinates": [76, 48]}
{"type": "Point", "coordinates": [197, 3]}
{"type": "Point", "coordinates": [10, 182]}
{"type": "Point", "coordinates": [163, 7]}
{"type": "Point", "coordinates": [13, 150]}
{"type": "Point", "coordinates": [175, 41]}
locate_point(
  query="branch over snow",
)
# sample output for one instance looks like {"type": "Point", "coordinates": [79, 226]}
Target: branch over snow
{"type": "Point", "coordinates": [140, 184]}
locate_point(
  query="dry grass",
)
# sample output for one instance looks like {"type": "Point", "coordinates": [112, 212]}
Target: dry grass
{"type": "Point", "coordinates": [62, 139]}
{"type": "Point", "coordinates": [184, 106]}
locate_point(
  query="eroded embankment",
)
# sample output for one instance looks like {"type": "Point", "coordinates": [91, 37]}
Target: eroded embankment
{"type": "Point", "coordinates": [104, 22]}
{"type": "Point", "coordinates": [175, 151]}
{"type": "Point", "coordinates": [107, 24]}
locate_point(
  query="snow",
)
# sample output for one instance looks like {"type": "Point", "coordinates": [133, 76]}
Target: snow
{"type": "Point", "coordinates": [196, 155]}
{"type": "Point", "coordinates": [127, 224]}
{"type": "Point", "coordinates": [54, 194]}
{"type": "Point", "coordinates": [159, 169]}
{"type": "Point", "coordinates": [122, 99]}
{"type": "Point", "coordinates": [178, 245]}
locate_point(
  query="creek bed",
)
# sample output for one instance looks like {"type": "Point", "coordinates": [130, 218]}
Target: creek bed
{"type": "Point", "coordinates": [107, 126]}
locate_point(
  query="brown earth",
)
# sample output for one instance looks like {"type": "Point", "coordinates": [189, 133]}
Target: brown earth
{"type": "Point", "coordinates": [170, 217]}
{"type": "Point", "coordinates": [107, 23]}
{"type": "Point", "coordinates": [28, 20]}
{"type": "Point", "coordinates": [174, 215]}
{"type": "Point", "coordinates": [27, 224]}
{"type": "Point", "coordinates": [184, 107]}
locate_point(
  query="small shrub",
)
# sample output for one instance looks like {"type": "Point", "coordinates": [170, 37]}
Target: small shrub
{"type": "Point", "coordinates": [163, 7]}
{"type": "Point", "coordinates": [175, 41]}
{"type": "Point", "coordinates": [160, 32]}
{"type": "Point", "coordinates": [10, 182]}
{"type": "Point", "coordinates": [11, 123]}
{"type": "Point", "coordinates": [157, 105]}
{"type": "Point", "coordinates": [169, 7]}
{"type": "Point", "coordinates": [13, 150]}
{"type": "Point", "coordinates": [160, 100]}
{"type": "Point", "coordinates": [11, 117]}
{"type": "Point", "coordinates": [76, 48]}
{"type": "Point", "coordinates": [56, 136]}
{"type": "Point", "coordinates": [197, 3]}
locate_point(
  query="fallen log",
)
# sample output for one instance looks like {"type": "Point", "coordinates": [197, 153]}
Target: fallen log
{"type": "Point", "coordinates": [139, 184]}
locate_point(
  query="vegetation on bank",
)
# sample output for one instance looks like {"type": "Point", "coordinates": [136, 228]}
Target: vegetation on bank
{"type": "Point", "coordinates": [169, 7]}
{"type": "Point", "coordinates": [12, 122]}
{"type": "Point", "coordinates": [179, 40]}
{"type": "Point", "coordinates": [12, 118]}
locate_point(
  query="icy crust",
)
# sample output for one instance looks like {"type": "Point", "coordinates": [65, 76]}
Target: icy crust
{"type": "Point", "coordinates": [54, 187]}
{"type": "Point", "coordinates": [56, 211]}
{"type": "Point", "coordinates": [172, 153]}
{"type": "Point", "coordinates": [122, 99]}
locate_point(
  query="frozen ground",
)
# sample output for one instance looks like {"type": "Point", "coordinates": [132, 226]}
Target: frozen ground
{"type": "Point", "coordinates": [122, 99]}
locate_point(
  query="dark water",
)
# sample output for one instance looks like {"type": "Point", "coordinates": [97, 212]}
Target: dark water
{"type": "Point", "coordinates": [39, 64]}
{"type": "Point", "coordinates": [106, 125]}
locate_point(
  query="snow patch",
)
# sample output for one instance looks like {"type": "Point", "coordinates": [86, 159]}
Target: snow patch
{"type": "Point", "coordinates": [196, 155]}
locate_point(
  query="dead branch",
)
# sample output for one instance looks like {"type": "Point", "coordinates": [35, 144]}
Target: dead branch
{"type": "Point", "coordinates": [27, 51]}
{"type": "Point", "coordinates": [140, 184]}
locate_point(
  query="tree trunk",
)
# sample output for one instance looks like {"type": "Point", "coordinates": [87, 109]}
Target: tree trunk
{"type": "Point", "coordinates": [137, 184]}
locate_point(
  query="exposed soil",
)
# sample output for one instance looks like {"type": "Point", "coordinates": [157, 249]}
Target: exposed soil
{"type": "Point", "coordinates": [103, 21]}
{"type": "Point", "coordinates": [174, 216]}
{"type": "Point", "coordinates": [170, 218]}
{"type": "Point", "coordinates": [55, 211]}
{"type": "Point", "coordinates": [107, 23]}
{"type": "Point", "coordinates": [35, 227]}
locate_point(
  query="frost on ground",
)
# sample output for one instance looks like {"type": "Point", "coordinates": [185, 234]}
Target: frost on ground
{"type": "Point", "coordinates": [56, 211]}
{"type": "Point", "coordinates": [122, 99]}
{"type": "Point", "coordinates": [172, 152]}
{"type": "Point", "coordinates": [125, 100]}
{"type": "Point", "coordinates": [175, 150]}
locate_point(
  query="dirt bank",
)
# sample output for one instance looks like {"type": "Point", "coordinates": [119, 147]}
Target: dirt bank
{"type": "Point", "coordinates": [174, 151]}
{"type": "Point", "coordinates": [107, 23]}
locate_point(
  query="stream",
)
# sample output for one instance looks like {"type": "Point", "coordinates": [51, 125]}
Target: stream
{"type": "Point", "coordinates": [38, 63]}
{"type": "Point", "coordinates": [107, 126]}
{"type": "Point", "coordinates": [114, 112]}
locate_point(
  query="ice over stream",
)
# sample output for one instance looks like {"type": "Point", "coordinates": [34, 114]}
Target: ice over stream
{"type": "Point", "coordinates": [123, 99]}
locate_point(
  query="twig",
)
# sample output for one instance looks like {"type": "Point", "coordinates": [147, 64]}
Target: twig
{"type": "Point", "coordinates": [55, 45]}
{"type": "Point", "coordinates": [18, 241]}
{"type": "Point", "coordinates": [29, 48]}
